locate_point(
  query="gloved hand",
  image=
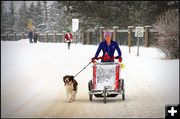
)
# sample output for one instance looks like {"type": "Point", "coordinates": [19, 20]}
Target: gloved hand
{"type": "Point", "coordinates": [120, 59]}
{"type": "Point", "coordinates": [93, 60]}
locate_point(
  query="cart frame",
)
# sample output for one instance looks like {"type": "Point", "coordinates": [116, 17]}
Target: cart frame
{"type": "Point", "coordinates": [118, 88]}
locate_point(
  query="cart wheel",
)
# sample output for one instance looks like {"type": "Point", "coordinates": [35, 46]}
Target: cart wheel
{"type": "Point", "coordinates": [123, 88]}
{"type": "Point", "coordinates": [105, 92]}
{"type": "Point", "coordinates": [90, 88]}
{"type": "Point", "coordinates": [90, 85]}
{"type": "Point", "coordinates": [119, 84]}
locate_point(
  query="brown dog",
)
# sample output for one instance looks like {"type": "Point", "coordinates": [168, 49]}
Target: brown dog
{"type": "Point", "coordinates": [71, 87]}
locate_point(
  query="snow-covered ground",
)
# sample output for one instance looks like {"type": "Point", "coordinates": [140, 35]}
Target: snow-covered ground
{"type": "Point", "coordinates": [32, 84]}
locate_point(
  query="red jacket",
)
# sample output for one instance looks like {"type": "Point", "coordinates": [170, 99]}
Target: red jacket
{"type": "Point", "coordinates": [68, 37]}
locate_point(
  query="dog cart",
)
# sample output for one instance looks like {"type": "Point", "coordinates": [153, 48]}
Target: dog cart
{"type": "Point", "coordinates": [106, 81]}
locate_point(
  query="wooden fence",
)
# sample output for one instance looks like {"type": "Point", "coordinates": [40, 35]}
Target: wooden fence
{"type": "Point", "coordinates": [122, 36]}
{"type": "Point", "coordinates": [46, 37]}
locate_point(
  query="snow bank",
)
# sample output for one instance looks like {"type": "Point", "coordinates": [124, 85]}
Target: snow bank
{"type": "Point", "coordinates": [34, 72]}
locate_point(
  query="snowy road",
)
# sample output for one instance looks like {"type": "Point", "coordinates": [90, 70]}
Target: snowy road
{"type": "Point", "coordinates": [32, 85]}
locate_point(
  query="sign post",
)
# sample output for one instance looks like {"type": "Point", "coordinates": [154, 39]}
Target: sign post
{"type": "Point", "coordinates": [75, 27]}
{"type": "Point", "coordinates": [139, 33]}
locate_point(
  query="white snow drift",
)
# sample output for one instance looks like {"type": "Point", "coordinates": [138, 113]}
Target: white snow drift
{"type": "Point", "coordinates": [32, 85]}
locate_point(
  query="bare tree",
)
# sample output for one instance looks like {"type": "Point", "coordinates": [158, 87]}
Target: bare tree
{"type": "Point", "coordinates": [167, 25]}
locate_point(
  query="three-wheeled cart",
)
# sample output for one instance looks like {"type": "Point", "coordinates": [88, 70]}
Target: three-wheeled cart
{"type": "Point", "coordinates": [106, 81]}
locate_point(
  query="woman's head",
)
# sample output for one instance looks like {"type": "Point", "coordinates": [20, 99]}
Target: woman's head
{"type": "Point", "coordinates": [107, 36]}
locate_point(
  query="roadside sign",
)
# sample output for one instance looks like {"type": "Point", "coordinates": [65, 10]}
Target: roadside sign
{"type": "Point", "coordinates": [75, 25]}
{"type": "Point", "coordinates": [139, 32]}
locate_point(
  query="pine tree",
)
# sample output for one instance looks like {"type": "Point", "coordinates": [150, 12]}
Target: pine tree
{"type": "Point", "coordinates": [8, 19]}
{"type": "Point", "coordinates": [23, 18]}
{"type": "Point", "coordinates": [39, 14]}
{"type": "Point", "coordinates": [53, 15]}
{"type": "Point", "coordinates": [61, 21]}
{"type": "Point", "coordinates": [11, 18]}
{"type": "Point", "coordinates": [114, 13]}
{"type": "Point", "coordinates": [4, 17]}
{"type": "Point", "coordinates": [31, 13]}
{"type": "Point", "coordinates": [45, 10]}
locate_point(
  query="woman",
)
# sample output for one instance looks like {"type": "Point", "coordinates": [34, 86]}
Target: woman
{"type": "Point", "coordinates": [108, 46]}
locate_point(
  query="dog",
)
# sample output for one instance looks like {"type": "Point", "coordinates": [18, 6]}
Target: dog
{"type": "Point", "coordinates": [71, 87]}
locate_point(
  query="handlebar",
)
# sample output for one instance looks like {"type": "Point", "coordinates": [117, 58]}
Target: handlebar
{"type": "Point", "coordinates": [112, 58]}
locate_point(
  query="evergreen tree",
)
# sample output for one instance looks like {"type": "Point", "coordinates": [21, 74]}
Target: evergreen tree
{"type": "Point", "coordinates": [114, 13]}
{"type": "Point", "coordinates": [53, 15]}
{"type": "Point", "coordinates": [23, 18]}
{"type": "Point", "coordinates": [11, 18]}
{"type": "Point", "coordinates": [39, 14]}
{"type": "Point", "coordinates": [45, 10]}
{"type": "Point", "coordinates": [61, 21]}
{"type": "Point", "coordinates": [32, 13]}
{"type": "Point", "coordinates": [4, 17]}
{"type": "Point", "coordinates": [8, 19]}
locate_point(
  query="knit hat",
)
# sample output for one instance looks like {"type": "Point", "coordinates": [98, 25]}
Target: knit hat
{"type": "Point", "coordinates": [68, 30]}
{"type": "Point", "coordinates": [107, 33]}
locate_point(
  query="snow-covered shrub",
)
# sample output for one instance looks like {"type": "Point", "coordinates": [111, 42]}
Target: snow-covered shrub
{"type": "Point", "coordinates": [167, 25]}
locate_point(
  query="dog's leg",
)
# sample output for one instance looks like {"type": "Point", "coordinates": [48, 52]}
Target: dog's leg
{"type": "Point", "coordinates": [71, 96]}
{"type": "Point", "coordinates": [69, 99]}
{"type": "Point", "coordinates": [74, 95]}
{"type": "Point", "coordinates": [68, 95]}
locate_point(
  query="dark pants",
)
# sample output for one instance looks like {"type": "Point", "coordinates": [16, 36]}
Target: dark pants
{"type": "Point", "coordinates": [35, 37]}
{"type": "Point", "coordinates": [30, 40]}
{"type": "Point", "coordinates": [35, 40]}
{"type": "Point", "coordinates": [69, 43]}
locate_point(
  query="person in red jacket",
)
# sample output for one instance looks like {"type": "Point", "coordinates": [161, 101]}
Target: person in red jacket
{"type": "Point", "coordinates": [68, 38]}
